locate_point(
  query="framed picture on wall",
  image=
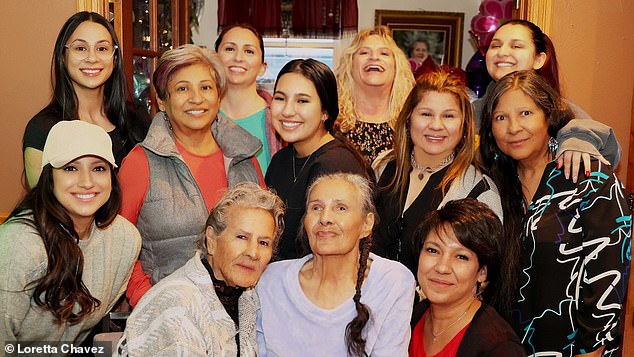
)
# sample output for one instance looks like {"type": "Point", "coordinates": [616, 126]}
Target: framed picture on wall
{"type": "Point", "coordinates": [440, 32]}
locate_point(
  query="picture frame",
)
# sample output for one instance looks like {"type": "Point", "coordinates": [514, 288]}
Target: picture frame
{"type": "Point", "coordinates": [443, 32]}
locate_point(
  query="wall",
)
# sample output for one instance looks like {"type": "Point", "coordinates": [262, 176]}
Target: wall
{"type": "Point", "coordinates": [595, 50]}
{"type": "Point", "coordinates": [28, 29]}
{"type": "Point", "coordinates": [209, 21]}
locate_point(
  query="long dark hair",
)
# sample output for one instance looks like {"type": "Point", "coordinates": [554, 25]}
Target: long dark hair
{"type": "Point", "coordinates": [132, 127]}
{"type": "Point", "coordinates": [355, 342]}
{"type": "Point", "coordinates": [325, 84]}
{"type": "Point", "coordinates": [62, 287]}
{"type": "Point", "coordinates": [503, 168]}
{"type": "Point", "coordinates": [550, 69]}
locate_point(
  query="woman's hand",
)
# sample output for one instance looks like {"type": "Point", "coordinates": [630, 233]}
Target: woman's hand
{"type": "Point", "coordinates": [596, 353]}
{"type": "Point", "coordinates": [571, 160]}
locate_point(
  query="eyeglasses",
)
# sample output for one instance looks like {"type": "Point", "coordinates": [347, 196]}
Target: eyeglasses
{"type": "Point", "coordinates": [81, 50]}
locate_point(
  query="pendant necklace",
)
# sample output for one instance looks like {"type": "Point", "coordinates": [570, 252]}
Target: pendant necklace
{"type": "Point", "coordinates": [430, 170]}
{"type": "Point", "coordinates": [302, 168]}
{"type": "Point", "coordinates": [438, 334]}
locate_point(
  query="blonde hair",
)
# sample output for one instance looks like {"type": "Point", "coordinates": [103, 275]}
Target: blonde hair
{"type": "Point", "coordinates": [442, 82]}
{"type": "Point", "coordinates": [403, 79]}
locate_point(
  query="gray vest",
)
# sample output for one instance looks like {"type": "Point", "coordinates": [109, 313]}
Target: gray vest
{"type": "Point", "coordinates": [174, 198]}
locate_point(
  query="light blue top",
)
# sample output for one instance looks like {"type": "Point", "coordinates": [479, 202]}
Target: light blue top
{"type": "Point", "coordinates": [289, 324]}
{"type": "Point", "coordinates": [255, 125]}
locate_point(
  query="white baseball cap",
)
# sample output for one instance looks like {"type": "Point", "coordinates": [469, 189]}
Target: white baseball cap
{"type": "Point", "coordinates": [70, 139]}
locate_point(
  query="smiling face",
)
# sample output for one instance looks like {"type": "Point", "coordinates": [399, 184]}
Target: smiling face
{"type": "Point", "coordinates": [373, 64]}
{"type": "Point", "coordinates": [82, 187]}
{"type": "Point", "coordinates": [520, 128]}
{"type": "Point", "coordinates": [448, 271]}
{"type": "Point", "coordinates": [334, 220]}
{"type": "Point", "coordinates": [91, 71]}
{"type": "Point", "coordinates": [192, 99]}
{"type": "Point", "coordinates": [420, 51]}
{"type": "Point", "coordinates": [239, 255]}
{"type": "Point", "coordinates": [241, 55]}
{"type": "Point", "coordinates": [512, 49]}
{"type": "Point", "coordinates": [436, 126]}
{"type": "Point", "coordinates": [297, 112]}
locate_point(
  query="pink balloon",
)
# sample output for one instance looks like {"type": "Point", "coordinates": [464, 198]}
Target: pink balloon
{"type": "Point", "coordinates": [481, 23]}
{"type": "Point", "coordinates": [501, 9]}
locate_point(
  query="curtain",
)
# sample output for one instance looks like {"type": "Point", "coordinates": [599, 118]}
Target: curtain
{"type": "Point", "coordinates": [324, 18]}
{"type": "Point", "coordinates": [264, 15]}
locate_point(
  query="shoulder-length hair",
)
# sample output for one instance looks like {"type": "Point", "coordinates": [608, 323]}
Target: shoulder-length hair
{"type": "Point", "coordinates": [184, 56]}
{"type": "Point", "coordinates": [115, 88]}
{"type": "Point", "coordinates": [503, 168]}
{"type": "Point", "coordinates": [62, 287]}
{"type": "Point", "coordinates": [441, 82]}
{"type": "Point", "coordinates": [403, 79]}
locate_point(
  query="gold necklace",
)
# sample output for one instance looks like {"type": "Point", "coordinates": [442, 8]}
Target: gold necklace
{"type": "Point", "coordinates": [430, 170]}
{"type": "Point", "coordinates": [436, 335]}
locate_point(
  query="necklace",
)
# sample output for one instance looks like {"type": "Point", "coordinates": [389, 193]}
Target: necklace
{"type": "Point", "coordinates": [435, 335]}
{"type": "Point", "coordinates": [429, 170]}
{"type": "Point", "coordinates": [302, 168]}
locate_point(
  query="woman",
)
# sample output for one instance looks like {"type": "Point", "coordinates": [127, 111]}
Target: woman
{"type": "Point", "coordinates": [521, 45]}
{"type": "Point", "coordinates": [341, 299]}
{"type": "Point", "coordinates": [241, 50]}
{"type": "Point", "coordinates": [180, 170]}
{"type": "Point", "coordinates": [432, 163]}
{"type": "Point", "coordinates": [208, 306]}
{"type": "Point", "coordinates": [374, 78]}
{"type": "Point", "coordinates": [88, 84]}
{"type": "Point", "coordinates": [65, 255]}
{"type": "Point", "coordinates": [304, 110]}
{"type": "Point", "coordinates": [458, 260]}
{"type": "Point", "coordinates": [420, 59]}
{"type": "Point", "coordinates": [573, 233]}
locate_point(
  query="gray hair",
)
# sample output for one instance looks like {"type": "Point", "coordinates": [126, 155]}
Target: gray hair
{"type": "Point", "coordinates": [246, 195]}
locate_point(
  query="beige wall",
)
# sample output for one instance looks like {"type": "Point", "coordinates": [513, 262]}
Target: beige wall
{"type": "Point", "coordinates": [28, 29]}
{"type": "Point", "coordinates": [595, 49]}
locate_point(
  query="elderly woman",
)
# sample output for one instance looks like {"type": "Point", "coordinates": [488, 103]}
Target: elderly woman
{"type": "Point", "coordinates": [180, 170]}
{"type": "Point", "coordinates": [65, 254]}
{"type": "Point", "coordinates": [459, 254]}
{"type": "Point", "coordinates": [575, 234]}
{"type": "Point", "coordinates": [374, 78]}
{"type": "Point", "coordinates": [207, 307]}
{"type": "Point", "coordinates": [341, 299]}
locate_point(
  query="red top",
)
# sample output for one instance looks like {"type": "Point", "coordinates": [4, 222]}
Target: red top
{"type": "Point", "coordinates": [417, 347]}
{"type": "Point", "coordinates": [134, 176]}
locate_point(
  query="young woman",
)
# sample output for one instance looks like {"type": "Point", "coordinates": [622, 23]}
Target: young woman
{"type": "Point", "coordinates": [304, 110]}
{"type": "Point", "coordinates": [459, 252]}
{"type": "Point", "coordinates": [65, 255]}
{"type": "Point", "coordinates": [374, 78]}
{"type": "Point", "coordinates": [575, 234]}
{"type": "Point", "coordinates": [341, 300]}
{"type": "Point", "coordinates": [241, 50]}
{"type": "Point", "coordinates": [88, 84]}
{"type": "Point", "coordinates": [432, 163]}
{"type": "Point", "coordinates": [181, 169]}
{"type": "Point", "coordinates": [521, 45]}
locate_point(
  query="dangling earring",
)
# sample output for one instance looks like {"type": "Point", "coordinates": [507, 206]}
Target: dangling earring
{"type": "Point", "coordinates": [553, 145]}
{"type": "Point", "coordinates": [496, 156]}
{"type": "Point", "coordinates": [480, 286]}
{"type": "Point", "coordinates": [421, 294]}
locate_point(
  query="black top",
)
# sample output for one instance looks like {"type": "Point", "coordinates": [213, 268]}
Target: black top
{"type": "Point", "coordinates": [394, 234]}
{"type": "Point", "coordinates": [487, 335]}
{"type": "Point", "coordinates": [334, 156]}
{"type": "Point", "coordinates": [40, 125]}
